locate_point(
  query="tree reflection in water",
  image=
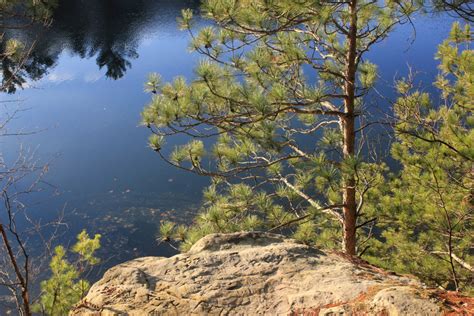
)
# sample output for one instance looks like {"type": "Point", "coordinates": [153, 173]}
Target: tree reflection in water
{"type": "Point", "coordinates": [108, 30]}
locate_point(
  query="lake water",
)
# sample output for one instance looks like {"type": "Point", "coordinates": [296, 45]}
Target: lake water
{"type": "Point", "coordinates": [97, 55]}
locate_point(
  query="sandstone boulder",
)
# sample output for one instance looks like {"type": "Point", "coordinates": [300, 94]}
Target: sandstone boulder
{"type": "Point", "coordinates": [254, 274]}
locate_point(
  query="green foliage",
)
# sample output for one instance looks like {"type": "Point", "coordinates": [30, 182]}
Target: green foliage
{"type": "Point", "coordinates": [428, 210]}
{"type": "Point", "coordinates": [306, 233]}
{"type": "Point", "coordinates": [166, 230]}
{"type": "Point", "coordinates": [155, 142]}
{"type": "Point", "coordinates": [153, 83]}
{"type": "Point", "coordinates": [85, 248]}
{"type": "Point", "coordinates": [279, 85]}
{"type": "Point", "coordinates": [13, 53]}
{"type": "Point", "coordinates": [368, 74]}
{"type": "Point", "coordinates": [273, 74]}
{"type": "Point", "coordinates": [65, 288]}
{"type": "Point", "coordinates": [33, 9]}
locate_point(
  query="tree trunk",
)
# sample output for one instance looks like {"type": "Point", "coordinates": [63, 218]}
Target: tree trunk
{"type": "Point", "coordinates": [21, 280]}
{"type": "Point", "coordinates": [348, 125]}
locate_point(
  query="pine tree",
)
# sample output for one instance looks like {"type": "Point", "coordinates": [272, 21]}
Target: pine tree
{"type": "Point", "coordinates": [428, 208]}
{"type": "Point", "coordinates": [65, 287]}
{"type": "Point", "coordinates": [280, 95]}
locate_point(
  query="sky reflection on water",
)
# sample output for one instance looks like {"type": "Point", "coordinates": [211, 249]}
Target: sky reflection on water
{"type": "Point", "coordinates": [100, 162]}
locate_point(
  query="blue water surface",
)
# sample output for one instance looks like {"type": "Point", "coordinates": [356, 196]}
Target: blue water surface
{"type": "Point", "coordinates": [101, 171]}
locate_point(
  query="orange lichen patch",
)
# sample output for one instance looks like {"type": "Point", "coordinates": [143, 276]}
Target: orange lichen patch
{"type": "Point", "coordinates": [314, 310]}
{"type": "Point", "coordinates": [457, 303]}
{"type": "Point", "coordinates": [305, 312]}
{"type": "Point", "coordinates": [369, 294]}
{"type": "Point", "coordinates": [356, 305]}
{"type": "Point", "coordinates": [84, 304]}
{"type": "Point", "coordinates": [359, 303]}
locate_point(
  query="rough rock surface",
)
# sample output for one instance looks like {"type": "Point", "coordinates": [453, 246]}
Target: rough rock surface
{"type": "Point", "coordinates": [253, 274]}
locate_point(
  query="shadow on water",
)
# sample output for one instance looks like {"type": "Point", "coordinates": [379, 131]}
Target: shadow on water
{"type": "Point", "coordinates": [107, 30]}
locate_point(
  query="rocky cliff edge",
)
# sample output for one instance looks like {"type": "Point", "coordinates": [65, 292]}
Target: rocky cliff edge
{"type": "Point", "coordinates": [259, 273]}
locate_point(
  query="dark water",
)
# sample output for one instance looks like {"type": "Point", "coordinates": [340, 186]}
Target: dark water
{"type": "Point", "coordinates": [95, 59]}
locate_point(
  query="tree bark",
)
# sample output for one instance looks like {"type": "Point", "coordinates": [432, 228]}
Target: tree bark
{"type": "Point", "coordinates": [348, 126]}
{"type": "Point", "coordinates": [21, 279]}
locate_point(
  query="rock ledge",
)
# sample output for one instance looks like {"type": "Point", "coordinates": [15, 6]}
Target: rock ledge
{"type": "Point", "coordinates": [255, 273]}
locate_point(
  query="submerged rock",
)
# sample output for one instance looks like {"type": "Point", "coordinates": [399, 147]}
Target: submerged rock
{"type": "Point", "coordinates": [251, 274]}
